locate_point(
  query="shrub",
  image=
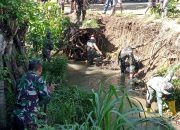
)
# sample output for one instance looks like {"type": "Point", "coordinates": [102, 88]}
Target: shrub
{"type": "Point", "coordinates": [55, 70]}
{"type": "Point", "coordinates": [172, 10]}
{"type": "Point", "coordinates": [69, 105]}
{"type": "Point", "coordinates": [114, 110]}
{"type": "Point", "coordinates": [45, 16]}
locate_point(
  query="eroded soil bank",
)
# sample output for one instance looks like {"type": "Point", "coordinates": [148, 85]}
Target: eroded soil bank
{"type": "Point", "coordinates": [157, 44]}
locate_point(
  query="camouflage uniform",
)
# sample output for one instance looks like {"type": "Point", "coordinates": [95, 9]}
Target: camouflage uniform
{"type": "Point", "coordinates": [47, 46]}
{"type": "Point", "coordinates": [91, 51]}
{"type": "Point", "coordinates": [131, 66]}
{"type": "Point", "coordinates": [127, 53]}
{"type": "Point", "coordinates": [31, 91]}
{"type": "Point", "coordinates": [82, 6]}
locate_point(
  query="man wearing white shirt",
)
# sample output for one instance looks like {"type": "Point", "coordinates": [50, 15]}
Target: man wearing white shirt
{"type": "Point", "coordinates": [162, 89]}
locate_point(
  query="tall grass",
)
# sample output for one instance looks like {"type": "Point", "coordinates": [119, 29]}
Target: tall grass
{"type": "Point", "coordinates": [106, 109]}
{"type": "Point", "coordinates": [69, 105]}
{"type": "Point", "coordinates": [113, 109]}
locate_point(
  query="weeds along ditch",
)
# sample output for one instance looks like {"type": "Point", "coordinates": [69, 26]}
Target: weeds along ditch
{"type": "Point", "coordinates": [105, 109]}
{"type": "Point", "coordinates": [71, 108]}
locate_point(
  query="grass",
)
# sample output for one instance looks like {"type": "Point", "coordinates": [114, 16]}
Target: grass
{"type": "Point", "coordinates": [106, 109]}
{"type": "Point", "coordinates": [69, 105]}
{"type": "Point", "coordinates": [92, 23]}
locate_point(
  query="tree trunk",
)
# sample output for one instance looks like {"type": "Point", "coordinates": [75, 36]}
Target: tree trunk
{"type": "Point", "coordinates": [11, 53]}
{"type": "Point", "coordinates": [2, 85]}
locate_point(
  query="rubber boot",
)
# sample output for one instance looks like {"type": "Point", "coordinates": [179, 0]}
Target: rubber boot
{"type": "Point", "coordinates": [148, 110]}
{"type": "Point", "coordinates": [172, 107]}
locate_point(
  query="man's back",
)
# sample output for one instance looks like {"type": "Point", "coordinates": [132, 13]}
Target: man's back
{"type": "Point", "coordinates": [159, 84]}
{"type": "Point", "coordinates": [30, 91]}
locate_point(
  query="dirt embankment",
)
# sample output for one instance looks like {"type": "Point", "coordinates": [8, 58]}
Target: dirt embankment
{"type": "Point", "coordinates": [159, 42]}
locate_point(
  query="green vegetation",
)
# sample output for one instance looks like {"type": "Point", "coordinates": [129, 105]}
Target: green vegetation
{"type": "Point", "coordinates": [55, 70]}
{"type": "Point", "coordinates": [92, 23]}
{"type": "Point", "coordinates": [70, 108]}
{"type": "Point", "coordinates": [176, 83]}
{"type": "Point", "coordinates": [173, 12]}
{"type": "Point", "coordinates": [69, 105]}
{"type": "Point", "coordinates": [46, 16]}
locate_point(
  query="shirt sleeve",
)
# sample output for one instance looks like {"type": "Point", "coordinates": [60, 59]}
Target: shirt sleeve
{"type": "Point", "coordinates": [43, 92]}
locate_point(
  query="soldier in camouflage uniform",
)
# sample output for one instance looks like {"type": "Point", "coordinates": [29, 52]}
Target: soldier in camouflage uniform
{"type": "Point", "coordinates": [31, 91]}
{"type": "Point", "coordinates": [92, 50]}
{"type": "Point", "coordinates": [82, 6]}
{"type": "Point", "coordinates": [47, 46]}
{"type": "Point", "coordinates": [128, 64]}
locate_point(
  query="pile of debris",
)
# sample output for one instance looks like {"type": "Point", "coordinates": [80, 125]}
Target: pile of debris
{"type": "Point", "coordinates": [78, 37]}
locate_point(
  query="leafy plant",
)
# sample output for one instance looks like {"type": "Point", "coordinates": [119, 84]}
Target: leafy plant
{"type": "Point", "coordinates": [172, 10]}
{"type": "Point", "coordinates": [46, 16]}
{"type": "Point", "coordinates": [114, 109]}
{"type": "Point", "coordinates": [4, 74]}
{"type": "Point", "coordinates": [92, 23]}
{"type": "Point", "coordinates": [69, 105]}
{"type": "Point", "coordinates": [161, 72]}
{"type": "Point", "coordinates": [55, 70]}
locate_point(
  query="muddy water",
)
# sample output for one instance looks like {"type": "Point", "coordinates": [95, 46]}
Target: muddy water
{"type": "Point", "coordinates": [88, 78]}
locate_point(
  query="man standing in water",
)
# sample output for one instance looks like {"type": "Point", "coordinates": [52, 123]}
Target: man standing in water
{"type": "Point", "coordinates": [92, 50]}
{"type": "Point", "coordinates": [129, 65]}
